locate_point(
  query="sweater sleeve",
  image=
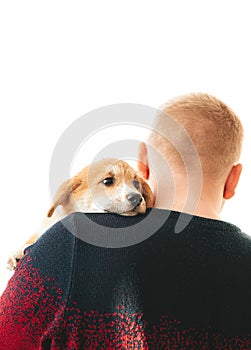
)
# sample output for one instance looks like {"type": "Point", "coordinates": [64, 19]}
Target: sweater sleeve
{"type": "Point", "coordinates": [33, 302]}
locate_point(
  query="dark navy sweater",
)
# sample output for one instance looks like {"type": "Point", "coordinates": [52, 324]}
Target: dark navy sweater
{"type": "Point", "coordinates": [168, 290]}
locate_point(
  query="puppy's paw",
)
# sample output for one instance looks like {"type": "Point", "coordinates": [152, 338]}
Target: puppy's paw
{"type": "Point", "coordinates": [14, 259]}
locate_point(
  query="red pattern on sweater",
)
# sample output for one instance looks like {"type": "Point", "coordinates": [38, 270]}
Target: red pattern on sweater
{"type": "Point", "coordinates": [34, 315]}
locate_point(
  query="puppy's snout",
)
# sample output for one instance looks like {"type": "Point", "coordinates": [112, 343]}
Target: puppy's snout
{"type": "Point", "coordinates": [134, 198]}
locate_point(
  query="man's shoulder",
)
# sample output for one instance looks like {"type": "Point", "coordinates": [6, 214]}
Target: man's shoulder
{"type": "Point", "coordinates": [157, 226]}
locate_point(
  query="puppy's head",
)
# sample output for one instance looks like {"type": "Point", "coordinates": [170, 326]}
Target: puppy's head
{"type": "Point", "coordinates": [116, 187]}
{"type": "Point", "coordinates": [109, 185]}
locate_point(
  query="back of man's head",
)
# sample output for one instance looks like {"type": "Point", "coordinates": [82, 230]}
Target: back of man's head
{"type": "Point", "coordinates": [214, 129]}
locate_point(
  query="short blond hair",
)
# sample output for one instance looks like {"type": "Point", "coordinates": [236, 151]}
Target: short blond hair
{"type": "Point", "coordinates": [214, 129]}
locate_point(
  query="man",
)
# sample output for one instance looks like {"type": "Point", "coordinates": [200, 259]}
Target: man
{"type": "Point", "coordinates": [186, 286]}
{"type": "Point", "coordinates": [199, 136]}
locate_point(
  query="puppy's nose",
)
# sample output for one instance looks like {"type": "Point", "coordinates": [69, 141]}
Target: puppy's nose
{"type": "Point", "coordinates": [134, 198]}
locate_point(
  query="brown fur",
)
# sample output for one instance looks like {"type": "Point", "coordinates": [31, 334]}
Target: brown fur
{"type": "Point", "coordinates": [86, 192]}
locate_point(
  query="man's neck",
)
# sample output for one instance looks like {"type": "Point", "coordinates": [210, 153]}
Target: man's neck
{"type": "Point", "coordinates": [175, 195]}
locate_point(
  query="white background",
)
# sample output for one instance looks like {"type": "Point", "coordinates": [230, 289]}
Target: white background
{"type": "Point", "coordinates": [62, 59]}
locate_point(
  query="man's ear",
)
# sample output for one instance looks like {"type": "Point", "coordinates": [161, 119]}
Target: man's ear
{"type": "Point", "coordinates": [147, 194]}
{"type": "Point", "coordinates": [232, 181]}
{"type": "Point", "coordinates": [142, 164]}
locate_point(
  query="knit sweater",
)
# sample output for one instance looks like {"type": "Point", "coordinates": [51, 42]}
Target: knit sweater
{"type": "Point", "coordinates": [186, 290]}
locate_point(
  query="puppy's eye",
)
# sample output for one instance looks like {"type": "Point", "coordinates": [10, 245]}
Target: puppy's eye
{"type": "Point", "coordinates": [136, 184]}
{"type": "Point", "coordinates": [108, 181]}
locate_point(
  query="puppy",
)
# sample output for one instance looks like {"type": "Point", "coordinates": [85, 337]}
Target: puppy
{"type": "Point", "coordinates": [109, 185]}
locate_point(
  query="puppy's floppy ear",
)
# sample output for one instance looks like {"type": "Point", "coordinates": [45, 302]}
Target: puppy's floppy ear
{"type": "Point", "coordinates": [147, 193]}
{"type": "Point", "coordinates": [63, 193]}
